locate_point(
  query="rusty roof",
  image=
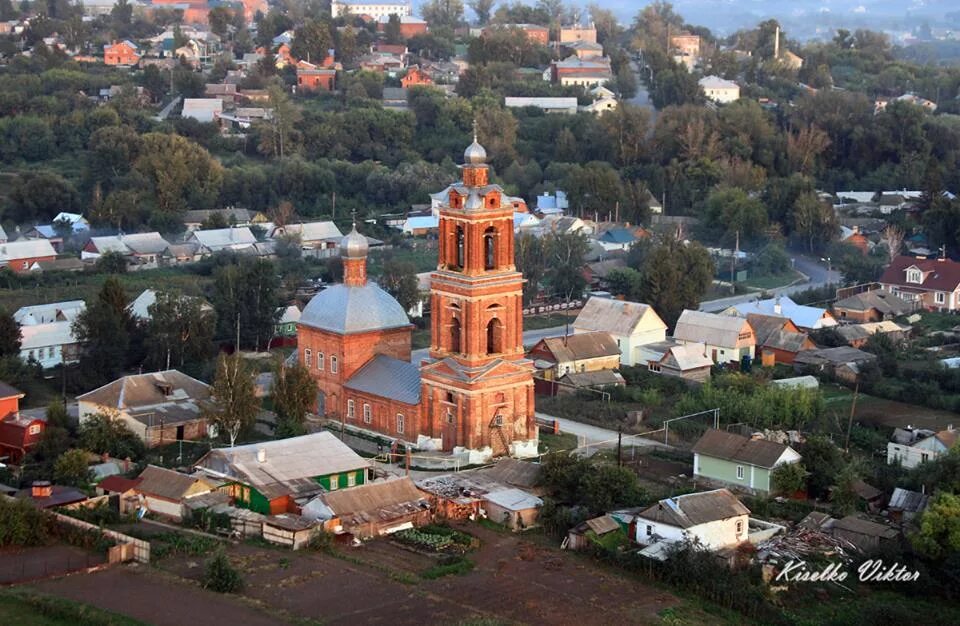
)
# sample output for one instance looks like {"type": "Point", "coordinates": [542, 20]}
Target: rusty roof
{"type": "Point", "coordinates": [860, 526]}
{"type": "Point", "coordinates": [513, 472]}
{"type": "Point", "coordinates": [732, 447]}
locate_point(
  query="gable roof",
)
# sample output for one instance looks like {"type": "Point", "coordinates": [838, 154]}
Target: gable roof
{"type": "Point", "coordinates": [140, 307]}
{"type": "Point", "coordinates": [25, 249]}
{"type": "Point", "coordinates": [801, 315]}
{"type": "Point", "coordinates": [883, 301]}
{"type": "Point", "coordinates": [514, 472]}
{"type": "Point", "coordinates": [580, 346]}
{"type": "Point", "coordinates": [860, 526]}
{"type": "Point", "coordinates": [513, 499]}
{"type": "Point", "coordinates": [617, 317]}
{"type": "Point", "coordinates": [45, 335]}
{"type": "Point", "coordinates": [165, 483]}
{"type": "Point", "coordinates": [908, 501]}
{"type": "Point", "coordinates": [8, 391]}
{"type": "Point", "coordinates": [939, 274]}
{"type": "Point", "coordinates": [148, 390]}
{"type": "Point", "coordinates": [733, 447]}
{"type": "Point", "coordinates": [286, 462]}
{"type": "Point", "coordinates": [311, 231]}
{"type": "Point", "coordinates": [377, 501]}
{"type": "Point", "coordinates": [66, 311]}
{"type": "Point", "coordinates": [618, 234]}
{"type": "Point", "coordinates": [118, 484]}
{"type": "Point", "coordinates": [834, 356]}
{"type": "Point", "coordinates": [765, 325]}
{"type": "Point", "coordinates": [710, 328]}
{"type": "Point", "coordinates": [693, 509]}
{"type": "Point", "coordinates": [387, 377]}
{"type": "Point", "coordinates": [687, 357]}
{"type": "Point", "coordinates": [135, 243]}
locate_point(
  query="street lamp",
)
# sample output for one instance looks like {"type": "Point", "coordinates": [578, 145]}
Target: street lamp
{"type": "Point", "coordinates": [829, 263]}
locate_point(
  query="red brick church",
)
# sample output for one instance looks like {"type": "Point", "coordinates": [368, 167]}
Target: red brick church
{"type": "Point", "coordinates": [475, 392]}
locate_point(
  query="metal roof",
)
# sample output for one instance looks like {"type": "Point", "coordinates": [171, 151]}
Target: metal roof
{"type": "Point", "coordinates": [387, 377]}
{"type": "Point", "coordinates": [221, 238]}
{"type": "Point", "coordinates": [591, 345]}
{"type": "Point", "coordinates": [694, 509]}
{"type": "Point", "coordinates": [617, 317]}
{"type": "Point", "coordinates": [514, 472]}
{"type": "Point", "coordinates": [514, 499]}
{"type": "Point", "coordinates": [152, 390]}
{"type": "Point", "coordinates": [311, 231]}
{"type": "Point", "coordinates": [50, 312]}
{"type": "Point", "coordinates": [345, 309]}
{"type": "Point", "coordinates": [688, 357]}
{"type": "Point", "coordinates": [801, 315]}
{"type": "Point", "coordinates": [136, 243]}
{"type": "Point", "coordinates": [908, 501]}
{"type": "Point", "coordinates": [44, 335]}
{"type": "Point", "coordinates": [710, 328]}
{"type": "Point", "coordinates": [165, 483]}
{"type": "Point", "coordinates": [381, 501]}
{"type": "Point", "coordinates": [733, 447]}
{"type": "Point", "coordinates": [25, 249]}
{"type": "Point", "coordinates": [883, 301]}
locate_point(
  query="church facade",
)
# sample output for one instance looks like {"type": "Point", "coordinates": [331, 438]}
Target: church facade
{"type": "Point", "coordinates": [475, 392]}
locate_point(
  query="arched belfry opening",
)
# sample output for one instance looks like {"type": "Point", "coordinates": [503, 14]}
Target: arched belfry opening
{"type": "Point", "coordinates": [490, 248]}
{"type": "Point", "coordinates": [494, 336]}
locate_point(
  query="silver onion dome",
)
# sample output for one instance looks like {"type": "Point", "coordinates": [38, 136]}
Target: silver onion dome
{"type": "Point", "coordinates": [354, 245]}
{"type": "Point", "coordinates": [475, 154]}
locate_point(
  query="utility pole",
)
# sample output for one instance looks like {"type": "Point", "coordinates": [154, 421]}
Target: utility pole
{"type": "Point", "coordinates": [733, 266]}
{"type": "Point", "coordinates": [853, 408]}
{"type": "Point", "coordinates": [237, 346]}
{"type": "Point", "coordinates": [620, 446]}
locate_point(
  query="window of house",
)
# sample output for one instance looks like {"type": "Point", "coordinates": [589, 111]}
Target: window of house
{"type": "Point", "coordinates": [34, 430]}
{"type": "Point", "coordinates": [739, 526]}
{"type": "Point", "coordinates": [367, 414]}
{"type": "Point", "coordinates": [351, 409]}
{"type": "Point", "coordinates": [450, 418]}
{"type": "Point", "coordinates": [30, 355]}
{"type": "Point", "coordinates": [333, 364]}
{"type": "Point", "coordinates": [739, 472]}
{"type": "Point", "coordinates": [246, 494]}
{"type": "Point", "coordinates": [914, 276]}
{"type": "Point", "coordinates": [50, 352]}
{"type": "Point", "coordinates": [306, 357]}
{"type": "Point", "coordinates": [940, 297]}
{"type": "Point", "coordinates": [498, 420]}
{"type": "Point", "coordinates": [649, 530]}
{"type": "Point", "coordinates": [320, 361]}
{"type": "Point", "coordinates": [924, 457]}
{"type": "Point", "coordinates": [400, 423]}
{"type": "Point", "coordinates": [351, 479]}
{"type": "Point", "coordinates": [334, 482]}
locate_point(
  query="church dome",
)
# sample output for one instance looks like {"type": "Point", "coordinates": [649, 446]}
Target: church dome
{"type": "Point", "coordinates": [354, 245]}
{"type": "Point", "coordinates": [347, 309]}
{"type": "Point", "coordinates": [475, 154]}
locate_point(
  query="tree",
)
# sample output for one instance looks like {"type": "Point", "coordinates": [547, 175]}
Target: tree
{"type": "Point", "coordinates": [9, 335]}
{"type": "Point", "coordinates": [293, 393]}
{"type": "Point", "coordinates": [565, 253]}
{"type": "Point", "coordinates": [180, 330]}
{"type": "Point", "coordinates": [789, 478]}
{"type": "Point", "coordinates": [178, 173]}
{"type": "Point", "coordinates": [104, 433]}
{"type": "Point", "coordinates": [529, 258]}
{"type": "Point", "coordinates": [219, 19]}
{"type": "Point", "coordinates": [103, 330]}
{"type": "Point", "coordinates": [312, 41]}
{"type": "Point", "coordinates": [57, 415]}
{"type": "Point", "coordinates": [112, 262]}
{"type": "Point", "coordinates": [730, 212]}
{"type": "Point", "coordinates": [824, 462]}
{"type": "Point", "coordinates": [893, 237]}
{"type": "Point", "coordinates": [442, 13]}
{"type": "Point", "coordinates": [399, 279]}
{"type": "Point", "coordinates": [245, 299]}
{"type": "Point", "coordinates": [235, 403]}
{"type": "Point", "coordinates": [939, 533]}
{"type": "Point", "coordinates": [482, 9]}
{"type": "Point", "coordinates": [72, 470]}
{"type": "Point", "coordinates": [627, 128]}
{"type": "Point", "coordinates": [277, 132]}
{"type": "Point", "coordinates": [675, 277]}
{"type": "Point", "coordinates": [814, 220]}
{"type": "Point", "coordinates": [220, 575]}
{"type": "Point", "coordinates": [804, 147]}
{"type": "Point", "coordinates": [391, 32]}
{"type": "Point", "coordinates": [625, 281]}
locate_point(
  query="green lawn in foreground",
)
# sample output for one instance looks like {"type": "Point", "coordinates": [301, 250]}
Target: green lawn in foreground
{"type": "Point", "coordinates": [29, 608]}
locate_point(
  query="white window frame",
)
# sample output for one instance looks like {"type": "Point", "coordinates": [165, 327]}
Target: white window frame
{"type": "Point", "coordinates": [940, 297]}
{"type": "Point", "coordinates": [352, 479]}
{"type": "Point", "coordinates": [334, 482]}
{"type": "Point", "coordinates": [400, 423]}
{"type": "Point", "coordinates": [367, 413]}
{"type": "Point", "coordinates": [320, 361]}
{"type": "Point", "coordinates": [34, 429]}
{"type": "Point", "coordinates": [333, 364]}
{"type": "Point", "coordinates": [306, 357]}
{"type": "Point", "coordinates": [740, 472]}
{"type": "Point", "coordinates": [351, 409]}
{"type": "Point", "coordinates": [739, 526]}
{"type": "Point", "coordinates": [915, 277]}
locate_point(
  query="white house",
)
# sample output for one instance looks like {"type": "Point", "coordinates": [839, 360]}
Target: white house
{"type": "Point", "coordinates": [46, 332]}
{"type": "Point", "coordinates": [202, 109]}
{"type": "Point", "coordinates": [564, 106]}
{"type": "Point", "coordinates": [632, 324]}
{"type": "Point", "coordinates": [140, 307]}
{"type": "Point", "coordinates": [716, 519]}
{"type": "Point", "coordinates": [320, 239]}
{"type": "Point", "coordinates": [218, 239]}
{"type": "Point", "coordinates": [374, 8]}
{"type": "Point", "coordinates": [144, 249]}
{"type": "Point", "coordinates": [911, 447]}
{"type": "Point", "coordinates": [719, 90]}
{"type": "Point", "coordinates": [727, 339]}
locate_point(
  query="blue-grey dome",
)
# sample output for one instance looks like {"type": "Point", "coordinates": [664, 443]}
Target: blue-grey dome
{"type": "Point", "coordinates": [342, 309]}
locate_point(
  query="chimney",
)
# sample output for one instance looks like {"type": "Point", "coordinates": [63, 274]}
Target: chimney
{"type": "Point", "coordinates": [777, 309]}
{"type": "Point", "coordinates": [261, 455]}
{"type": "Point", "coordinates": [41, 489]}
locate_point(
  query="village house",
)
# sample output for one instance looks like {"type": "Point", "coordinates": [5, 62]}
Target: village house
{"type": "Point", "coordinates": [195, 219]}
{"type": "Point", "coordinates": [414, 77]}
{"type": "Point", "coordinates": [856, 335]}
{"type": "Point", "coordinates": [867, 536]}
{"type": "Point", "coordinates": [513, 485]}
{"type": "Point", "coordinates": [161, 407]}
{"type": "Point", "coordinates": [123, 53]}
{"type": "Point", "coordinates": [272, 477]}
{"type": "Point", "coordinates": [584, 49]}
{"type": "Point", "coordinates": [778, 338]}
{"type": "Point", "coordinates": [843, 362]}
{"type": "Point", "coordinates": [910, 447]}
{"type": "Point", "coordinates": [871, 306]}
{"type": "Point", "coordinates": [581, 72]}
{"type": "Point", "coordinates": [217, 239]}
{"type": "Point", "coordinates": [46, 332]}
{"type": "Point", "coordinates": [746, 463]}
{"type": "Point", "coordinates": [576, 32]}
{"type": "Point", "coordinates": [287, 320]}
{"type": "Point", "coordinates": [588, 533]}
{"type": "Point", "coordinates": [805, 318]}
{"type": "Point", "coordinates": [410, 26]}
{"type": "Point", "coordinates": [931, 284]}
{"type": "Point", "coordinates": [573, 382]}
{"type": "Point", "coordinates": [687, 361]}
{"type": "Point", "coordinates": [686, 49]}
{"type": "Point", "coordinates": [204, 110]}
{"type": "Point", "coordinates": [534, 32]}
{"type": "Point", "coordinates": [123, 489]}
{"type": "Point", "coordinates": [727, 339]}
{"type": "Point", "coordinates": [18, 433]}
{"type": "Point", "coordinates": [311, 77]}
{"type": "Point", "coordinates": [714, 519]}
{"type": "Point", "coordinates": [162, 491]}
{"type": "Point", "coordinates": [20, 256]}
{"type": "Point", "coordinates": [44, 495]}
{"type": "Point", "coordinates": [905, 505]}
{"type": "Point", "coordinates": [63, 224]}
{"type": "Point", "coordinates": [372, 510]}
{"type": "Point", "coordinates": [581, 352]}
{"type": "Point", "coordinates": [555, 105]}
{"type": "Point", "coordinates": [143, 250]}
{"type": "Point", "coordinates": [318, 239]}
{"type": "Point", "coordinates": [631, 324]}
{"type": "Point", "coordinates": [719, 90]}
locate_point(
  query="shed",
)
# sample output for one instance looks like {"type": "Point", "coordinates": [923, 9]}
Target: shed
{"type": "Point", "coordinates": [287, 529]}
{"type": "Point", "coordinates": [379, 508]}
{"type": "Point", "coordinates": [905, 505]}
{"type": "Point", "coordinates": [514, 508]}
{"type": "Point", "coordinates": [585, 533]}
{"type": "Point", "coordinates": [163, 491]}
{"type": "Point", "coordinates": [866, 535]}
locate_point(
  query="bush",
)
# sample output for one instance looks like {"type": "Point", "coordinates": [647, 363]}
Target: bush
{"type": "Point", "coordinates": [221, 576]}
{"type": "Point", "coordinates": [455, 565]}
{"type": "Point", "coordinates": [22, 525]}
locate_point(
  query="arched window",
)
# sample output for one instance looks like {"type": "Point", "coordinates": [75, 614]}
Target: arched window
{"type": "Point", "coordinates": [494, 336]}
{"type": "Point", "coordinates": [455, 335]}
{"type": "Point", "coordinates": [333, 364]}
{"type": "Point", "coordinates": [490, 248]}
{"type": "Point", "coordinates": [460, 247]}
{"type": "Point", "coordinates": [306, 358]}
{"type": "Point", "coordinates": [320, 361]}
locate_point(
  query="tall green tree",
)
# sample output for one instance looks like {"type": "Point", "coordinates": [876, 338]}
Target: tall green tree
{"type": "Point", "coordinates": [246, 300]}
{"type": "Point", "coordinates": [9, 334]}
{"type": "Point", "coordinates": [565, 254]}
{"type": "Point", "coordinates": [103, 433]}
{"type": "Point", "coordinates": [675, 277]}
{"type": "Point", "coordinates": [391, 32]}
{"type": "Point", "coordinates": [814, 220]}
{"type": "Point", "coordinates": [530, 260]}
{"type": "Point", "coordinates": [482, 9]}
{"type": "Point", "coordinates": [71, 469]}
{"type": "Point", "coordinates": [180, 330]}
{"type": "Point", "coordinates": [312, 41]}
{"type": "Point", "coordinates": [442, 13]}
{"type": "Point", "coordinates": [178, 173]}
{"type": "Point", "coordinates": [939, 533]}
{"type": "Point", "coordinates": [293, 393]}
{"type": "Point", "coordinates": [277, 133]}
{"type": "Point", "coordinates": [235, 403]}
{"type": "Point", "coordinates": [399, 279]}
{"type": "Point", "coordinates": [731, 212]}
{"type": "Point", "coordinates": [103, 330]}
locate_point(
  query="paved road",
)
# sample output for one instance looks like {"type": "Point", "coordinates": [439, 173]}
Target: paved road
{"type": "Point", "coordinates": [530, 337]}
{"type": "Point", "coordinates": [589, 434]}
{"type": "Point", "coordinates": [813, 268]}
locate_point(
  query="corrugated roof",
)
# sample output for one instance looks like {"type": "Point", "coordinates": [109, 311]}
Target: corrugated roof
{"type": "Point", "coordinates": [140, 391]}
{"type": "Point", "coordinates": [732, 447]}
{"type": "Point", "coordinates": [46, 335]}
{"type": "Point", "coordinates": [165, 483]}
{"type": "Point", "coordinates": [580, 346]}
{"type": "Point", "coordinates": [602, 525]}
{"type": "Point", "coordinates": [908, 501]}
{"type": "Point", "coordinates": [387, 377]}
{"type": "Point", "coordinates": [222, 238]}
{"type": "Point", "coordinates": [343, 309]}
{"type": "Point", "coordinates": [710, 328]}
{"type": "Point", "coordinates": [286, 461]}
{"type": "Point", "coordinates": [693, 509]}
{"type": "Point", "coordinates": [599, 378]}
{"type": "Point", "coordinates": [883, 301]}
{"type": "Point", "coordinates": [617, 317]}
{"type": "Point", "coordinates": [834, 356]}
{"type": "Point", "coordinates": [688, 357]}
{"type": "Point", "coordinates": [25, 249]}
{"type": "Point", "coordinates": [7, 391]}
{"type": "Point", "coordinates": [801, 315]}
{"type": "Point", "coordinates": [312, 231]}
{"type": "Point", "coordinates": [514, 472]}
{"type": "Point", "coordinates": [136, 243]}
{"type": "Point", "coordinates": [377, 501]}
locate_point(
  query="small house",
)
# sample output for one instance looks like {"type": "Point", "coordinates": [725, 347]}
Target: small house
{"type": "Point", "coordinates": [779, 340]}
{"type": "Point", "coordinates": [716, 519]}
{"type": "Point", "coordinates": [930, 284]}
{"type": "Point", "coordinates": [318, 239]}
{"type": "Point", "coordinates": [872, 306]}
{"type": "Point", "coordinates": [18, 433]}
{"type": "Point", "coordinates": [163, 491]}
{"type": "Point", "coordinates": [588, 533]}
{"type": "Point", "coordinates": [123, 53]}
{"type": "Point", "coordinates": [123, 489]}
{"type": "Point", "coordinates": [217, 239]}
{"type": "Point", "coordinates": [867, 536]}
{"type": "Point", "coordinates": [20, 256]}
{"type": "Point", "coordinates": [631, 324]}
{"type": "Point", "coordinates": [911, 447]}
{"type": "Point", "coordinates": [727, 339]}
{"type": "Point", "coordinates": [744, 462]}
{"type": "Point", "coordinates": [378, 508]}
{"type": "Point", "coordinates": [857, 335]}
{"type": "Point", "coordinates": [514, 508]}
{"type": "Point", "coordinates": [687, 361]}
{"type": "Point", "coordinates": [142, 250]}
{"type": "Point", "coordinates": [288, 529]}
{"type": "Point", "coordinates": [906, 505]}
{"type": "Point", "coordinates": [805, 318]}
{"type": "Point", "coordinates": [581, 352]}
{"type": "Point", "coordinates": [843, 362]}
{"type": "Point", "coordinates": [287, 318]}
{"type": "Point", "coordinates": [719, 90]}
{"type": "Point", "coordinates": [599, 380]}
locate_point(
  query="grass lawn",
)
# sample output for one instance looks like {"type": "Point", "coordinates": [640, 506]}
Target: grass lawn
{"type": "Point", "coordinates": [552, 443]}
{"type": "Point", "coordinates": [29, 608]}
{"type": "Point", "coordinates": [772, 281]}
{"type": "Point", "coordinates": [423, 258]}
{"type": "Point", "coordinates": [536, 322]}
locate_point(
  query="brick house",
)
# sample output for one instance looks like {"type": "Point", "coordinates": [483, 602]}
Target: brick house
{"type": "Point", "coordinates": [312, 77]}
{"type": "Point", "coordinates": [931, 284]}
{"type": "Point", "coordinates": [18, 434]}
{"type": "Point", "coordinates": [534, 32]}
{"type": "Point", "coordinates": [410, 26]}
{"type": "Point", "coordinates": [121, 53]}
{"type": "Point", "coordinates": [415, 76]}
{"type": "Point", "coordinates": [20, 256]}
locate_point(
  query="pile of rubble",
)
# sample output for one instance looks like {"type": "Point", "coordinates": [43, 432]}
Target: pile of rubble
{"type": "Point", "coordinates": [804, 542]}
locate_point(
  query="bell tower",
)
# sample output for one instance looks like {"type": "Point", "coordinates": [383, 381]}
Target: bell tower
{"type": "Point", "coordinates": [478, 391]}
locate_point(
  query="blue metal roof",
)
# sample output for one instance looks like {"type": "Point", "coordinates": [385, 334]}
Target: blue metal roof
{"type": "Point", "coordinates": [343, 309]}
{"type": "Point", "coordinates": [388, 377]}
